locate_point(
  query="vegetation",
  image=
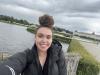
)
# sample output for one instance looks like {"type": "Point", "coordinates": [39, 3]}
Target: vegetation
{"type": "Point", "coordinates": [66, 34]}
{"type": "Point", "coordinates": [9, 19]}
{"type": "Point", "coordinates": [31, 29]}
{"type": "Point", "coordinates": [62, 30]}
{"type": "Point", "coordinates": [87, 65]}
{"type": "Point", "coordinates": [62, 38]}
{"type": "Point", "coordinates": [89, 38]}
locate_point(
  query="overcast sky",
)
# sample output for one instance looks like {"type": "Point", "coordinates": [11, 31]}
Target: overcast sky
{"type": "Point", "coordinates": [80, 15]}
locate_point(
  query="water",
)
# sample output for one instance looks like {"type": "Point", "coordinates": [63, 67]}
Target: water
{"type": "Point", "coordinates": [15, 38]}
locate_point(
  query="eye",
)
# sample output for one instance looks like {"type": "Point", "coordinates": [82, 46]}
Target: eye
{"type": "Point", "coordinates": [48, 37]}
{"type": "Point", "coordinates": [40, 35]}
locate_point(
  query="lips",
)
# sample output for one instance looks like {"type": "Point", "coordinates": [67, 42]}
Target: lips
{"type": "Point", "coordinates": [43, 45]}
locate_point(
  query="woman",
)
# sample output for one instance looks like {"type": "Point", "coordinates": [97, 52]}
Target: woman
{"type": "Point", "coordinates": [45, 58]}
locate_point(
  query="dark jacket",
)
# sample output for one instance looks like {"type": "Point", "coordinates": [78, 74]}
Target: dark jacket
{"type": "Point", "coordinates": [26, 62]}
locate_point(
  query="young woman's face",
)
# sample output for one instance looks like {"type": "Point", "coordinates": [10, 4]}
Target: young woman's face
{"type": "Point", "coordinates": [43, 38]}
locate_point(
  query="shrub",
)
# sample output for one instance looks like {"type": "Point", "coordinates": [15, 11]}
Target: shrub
{"type": "Point", "coordinates": [87, 65]}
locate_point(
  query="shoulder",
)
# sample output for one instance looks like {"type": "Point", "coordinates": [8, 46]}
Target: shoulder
{"type": "Point", "coordinates": [56, 44]}
{"type": "Point", "coordinates": [56, 48]}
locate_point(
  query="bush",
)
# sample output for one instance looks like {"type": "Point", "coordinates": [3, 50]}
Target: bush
{"type": "Point", "coordinates": [31, 29]}
{"type": "Point", "coordinates": [87, 65]}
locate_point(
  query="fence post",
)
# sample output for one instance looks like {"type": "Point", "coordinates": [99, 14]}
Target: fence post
{"type": "Point", "coordinates": [72, 60]}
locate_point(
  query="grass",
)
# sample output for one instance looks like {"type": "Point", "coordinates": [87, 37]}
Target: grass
{"type": "Point", "coordinates": [88, 64]}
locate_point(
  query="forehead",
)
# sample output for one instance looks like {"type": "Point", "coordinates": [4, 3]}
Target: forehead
{"type": "Point", "coordinates": [44, 31]}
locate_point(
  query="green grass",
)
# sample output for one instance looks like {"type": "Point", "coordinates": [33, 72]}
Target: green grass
{"type": "Point", "coordinates": [31, 29]}
{"type": "Point", "coordinates": [87, 65]}
{"type": "Point", "coordinates": [62, 38]}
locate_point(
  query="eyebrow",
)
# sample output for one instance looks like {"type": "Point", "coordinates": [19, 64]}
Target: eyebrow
{"type": "Point", "coordinates": [43, 34]}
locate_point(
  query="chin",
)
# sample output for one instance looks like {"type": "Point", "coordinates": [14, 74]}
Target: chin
{"type": "Point", "coordinates": [43, 49]}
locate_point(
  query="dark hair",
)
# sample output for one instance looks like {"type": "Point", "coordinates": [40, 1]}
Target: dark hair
{"type": "Point", "coordinates": [46, 21]}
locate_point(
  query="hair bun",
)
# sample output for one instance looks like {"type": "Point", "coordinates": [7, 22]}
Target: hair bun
{"type": "Point", "coordinates": [46, 21]}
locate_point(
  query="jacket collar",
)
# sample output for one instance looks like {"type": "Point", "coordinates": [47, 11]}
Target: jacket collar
{"type": "Point", "coordinates": [53, 51]}
{"type": "Point", "coordinates": [55, 47]}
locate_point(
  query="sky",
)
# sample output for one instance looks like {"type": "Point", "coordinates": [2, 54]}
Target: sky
{"type": "Point", "coordinates": [80, 15]}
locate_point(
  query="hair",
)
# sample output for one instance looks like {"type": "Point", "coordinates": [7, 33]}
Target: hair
{"type": "Point", "coordinates": [46, 21]}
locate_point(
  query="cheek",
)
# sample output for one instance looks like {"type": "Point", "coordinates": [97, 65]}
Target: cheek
{"type": "Point", "coordinates": [37, 40]}
{"type": "Point", "coordinates": [50, 41]}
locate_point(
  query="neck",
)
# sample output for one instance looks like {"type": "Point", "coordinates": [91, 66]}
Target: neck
{"type": "Point", "coordinates": [42, 57]}
{"type": "Point", "coordinates": [42, 53]}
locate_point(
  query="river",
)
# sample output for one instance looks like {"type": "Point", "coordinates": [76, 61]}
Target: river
{"type": "Point", "coordinates": [14, 38]}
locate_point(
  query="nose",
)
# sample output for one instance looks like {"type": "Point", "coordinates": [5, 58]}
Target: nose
{"type": "Point", "coordinates": [44, 39]}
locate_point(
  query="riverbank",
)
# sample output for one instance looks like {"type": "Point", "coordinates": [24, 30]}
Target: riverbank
{"type": "Point", "coordinates": [92, 48]}
{"type": "Point", "coordinates": [88, 65]}
{"type": "Point", "coordinates": [63, 37]}
{"type": "Point", "coordinates": [14, 23]}
{"type": "Point", "coordinates": [17, 38]}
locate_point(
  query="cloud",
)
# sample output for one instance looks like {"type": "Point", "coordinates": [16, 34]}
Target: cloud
{"type": "Point", "coordinates": [84, 15]}
{"type": "Point", "coordinates": [76, 6]}
{"type": "Point", "coordinates": [17, 8]}
{"type": "Point", "coordinates": [69, 14]}
{"type": "Point", "coordinates": [52, 6]}
{"type": "Point", "coordinates": [94, 25]}
{"type": "Point", "coordinates": [19, 11]}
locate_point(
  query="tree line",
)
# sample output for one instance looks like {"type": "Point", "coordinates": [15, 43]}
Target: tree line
{"type": "Point", "coordinates": [13, 20]}
{"type": "Point", "coordinates": [62, 29]}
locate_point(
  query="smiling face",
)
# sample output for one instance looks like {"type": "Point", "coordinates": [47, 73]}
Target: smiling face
{"type": "Point", "coordinates": [43, 38]}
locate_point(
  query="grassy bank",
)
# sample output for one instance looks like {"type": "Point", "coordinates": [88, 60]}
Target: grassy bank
{"type": "Point", "coordinates": [62, 38]}
{"type": "Point", "coordinates": [87, 65]}
{"type": "Point", "coordinates": [89, 38]}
